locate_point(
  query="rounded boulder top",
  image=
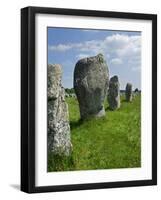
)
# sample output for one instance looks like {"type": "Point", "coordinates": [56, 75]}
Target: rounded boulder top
{"type": "Point", "coordinates": [129, 85]}
{"type": "Point", "coordinates": [54, 80]}
{"type": "Point", "coordinates": [54, 68]}
{"type": "Point", "coordinates": [85, 61]}
{"type": "Point", "coordinates": [114, 79]}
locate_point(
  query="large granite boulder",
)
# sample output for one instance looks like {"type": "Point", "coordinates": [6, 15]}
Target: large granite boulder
{"type": "Point", "coordinates": [114, 93]}
{"type": "Point", "coordinates": [128, 92]}
{"type": "Point", "coordinates": [59, 141]}
{"type": "Point", "coordinates": [91, 80]}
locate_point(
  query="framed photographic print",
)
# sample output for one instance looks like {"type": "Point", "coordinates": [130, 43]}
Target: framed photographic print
{"type": "Point", "coordinates": [88, 99]}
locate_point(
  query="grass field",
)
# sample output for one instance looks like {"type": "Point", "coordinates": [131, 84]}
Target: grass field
{"type": "Point", "coordinates": [113, 141]}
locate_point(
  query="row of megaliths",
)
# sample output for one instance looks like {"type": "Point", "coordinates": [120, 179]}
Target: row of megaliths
{"type": "Point", "coordinates": [92, 86]}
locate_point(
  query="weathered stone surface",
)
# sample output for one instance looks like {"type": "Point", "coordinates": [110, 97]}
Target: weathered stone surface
{"type": "Point", "coordinates": [128, 92]}
{"type": "Point", "coordinates": [91, 80]}
{"type": "Point", "coordinates": [59, 141]}
{"type": "Point", "coordinates": [114, 93]}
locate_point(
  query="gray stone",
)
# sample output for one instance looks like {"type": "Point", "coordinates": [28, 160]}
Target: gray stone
{"type": "Point", "coordinates": [59, 141]}
{"type": "Point", "coordinates": [128, 92]}
{"type": "Point", "coordinates": [66, 95]}
{"type": "Point", "coordinates": [114, 93]}
{"type": "Point", "coordinates": [91, 80]}
{"type": "Point", "coordinates": [72, 95]}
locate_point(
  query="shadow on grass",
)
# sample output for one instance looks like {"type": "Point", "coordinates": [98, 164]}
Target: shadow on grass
{"type": "Point", "coordinates": [107, 108]}
{"type": "Point", "coordinates": [124, 100]}
{"type": "Point", "coordinates": [75, 124]}
{"type": "Point", "coordinates": [60, 162]}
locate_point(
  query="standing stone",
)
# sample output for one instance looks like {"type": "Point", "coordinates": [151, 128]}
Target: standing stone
{"type": "Point", "coordinates": [59, 141]}
{"type": "Point", "coordinates": [114, 93]}
{"type": "Point", "coordinates": [66, 95]}
{"type": "Point", "coordinates": [91, 80]}
{"type": "Point", "coordinates": [128, 92]}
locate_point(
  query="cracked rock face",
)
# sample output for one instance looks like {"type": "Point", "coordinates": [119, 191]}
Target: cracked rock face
{"type": "Point", "coordinates": [128, 92]}
{"type": "Point", "coordinates": [91, 80]}
{"type": "Point", "coordinates": [59, 141]}
{"type": "Point", "coordinates": [114, 93]}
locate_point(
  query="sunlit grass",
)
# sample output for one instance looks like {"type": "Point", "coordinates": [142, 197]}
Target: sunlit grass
{"type": "Point", "coordinates": [109, 142]}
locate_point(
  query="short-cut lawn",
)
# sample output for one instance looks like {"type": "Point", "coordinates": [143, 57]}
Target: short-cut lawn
{"type": "Point", "coordinates": [113, 141]}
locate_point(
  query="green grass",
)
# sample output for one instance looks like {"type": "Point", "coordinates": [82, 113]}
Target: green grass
{"type": "Point", "coordinates": [113, 141]}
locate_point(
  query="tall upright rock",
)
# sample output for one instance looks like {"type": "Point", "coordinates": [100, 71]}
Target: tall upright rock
{"type": "Point", "coordinates": [128, 92]}
{"type": "Point", "coordinates": [91, 80]}
{"type": "Point", "coordinates": [59, 141]}
{"type": "Point", "coordinates": [114, 93]}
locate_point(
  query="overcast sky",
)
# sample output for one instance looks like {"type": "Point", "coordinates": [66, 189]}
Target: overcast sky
{"type": "Point", "coordinates": [121, 49]}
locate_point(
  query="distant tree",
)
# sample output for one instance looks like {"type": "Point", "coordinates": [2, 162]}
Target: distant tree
{"type": "Point", "coordinates": [69, 91]}
{"type": "Point", "coordinates": [72, 90]}
{"type": "Point", "coordinates": [136, 90]}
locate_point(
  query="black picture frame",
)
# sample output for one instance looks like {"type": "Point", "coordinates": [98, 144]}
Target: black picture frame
{"type": "Point", "coordinates": [28, 98]}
